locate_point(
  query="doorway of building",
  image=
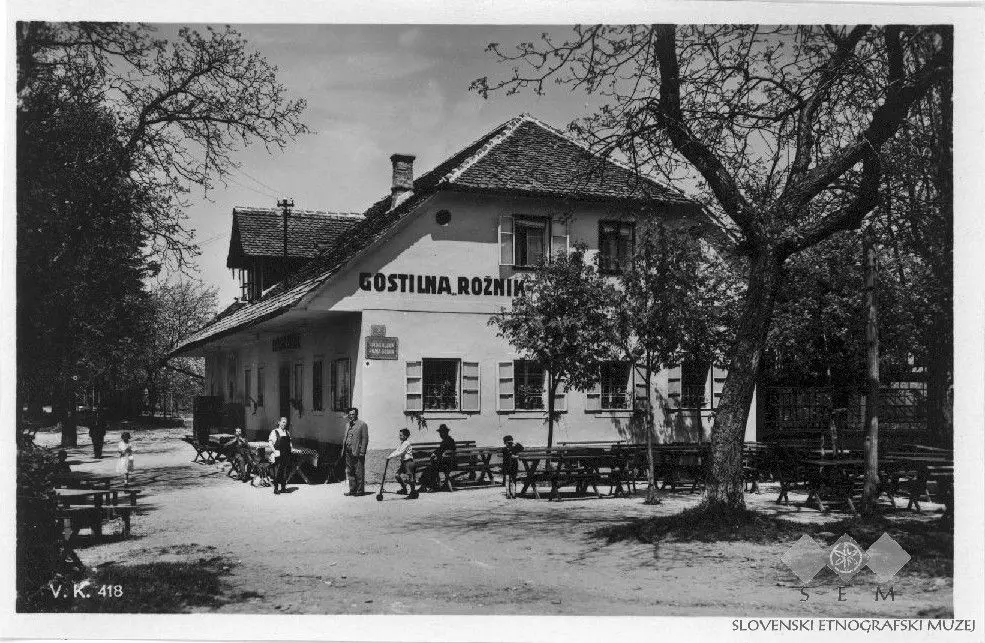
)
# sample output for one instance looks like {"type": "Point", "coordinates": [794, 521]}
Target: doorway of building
{"type": "Point", "coordinates": [284, 387]}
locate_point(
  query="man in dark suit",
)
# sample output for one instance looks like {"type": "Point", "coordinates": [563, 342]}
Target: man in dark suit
{"type": "Point", "coordinates": [354, 447]}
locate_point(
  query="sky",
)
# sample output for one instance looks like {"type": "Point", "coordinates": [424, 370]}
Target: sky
{"type": "Point", "coordinates": [371, 91]}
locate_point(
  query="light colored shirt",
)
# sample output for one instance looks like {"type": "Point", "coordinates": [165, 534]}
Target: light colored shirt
{"type": "Point", "coordinates": [403, 451]}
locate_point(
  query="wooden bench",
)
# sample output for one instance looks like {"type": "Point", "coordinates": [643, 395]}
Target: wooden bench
{"type": "Point", "coordinates": [90, 508]}
{"type": "Point", "coordinates": [450, 464]}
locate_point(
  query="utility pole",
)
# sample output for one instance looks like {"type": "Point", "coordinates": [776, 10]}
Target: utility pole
{"type": "Point", "coordinates": [285, 205]}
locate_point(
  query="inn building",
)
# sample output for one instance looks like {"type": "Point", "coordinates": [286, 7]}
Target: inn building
{"type": "Point", "coordinates": [388, 310]}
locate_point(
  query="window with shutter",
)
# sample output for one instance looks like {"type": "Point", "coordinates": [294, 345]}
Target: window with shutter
{"type": "Point", "coordinates": [505, 398]}
{"type": "Point", "coordinates": [530, 385]}
{"type": "Point", "coordinates": [414, 397]}
{"type": "Point", "coordinates": [529, 241]}
{"type": "Point", "coordinates": [616, 384]}
{"type": "Point", "coordinates": [470, 387]}
{"type": "Point", "coordinates": [694, 383]}
{"type": "Point", "coordinates": [506, 240]}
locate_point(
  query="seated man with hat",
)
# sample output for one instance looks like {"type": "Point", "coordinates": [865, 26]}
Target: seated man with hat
{"type": "Point", "coordinates": [443, 456]}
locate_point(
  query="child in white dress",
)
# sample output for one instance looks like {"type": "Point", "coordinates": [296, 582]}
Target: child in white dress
{"type": "Point", "coordinates": [125, 464]}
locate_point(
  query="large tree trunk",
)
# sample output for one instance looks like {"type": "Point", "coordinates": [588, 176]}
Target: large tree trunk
{"type": "Point", "coordinates": [724, 487]}
{"type": "Point", "coordinates": [870, 490]}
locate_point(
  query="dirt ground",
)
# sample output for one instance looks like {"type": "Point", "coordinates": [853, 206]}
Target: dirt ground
{"type": "Point", "coordinates": [314, 551]}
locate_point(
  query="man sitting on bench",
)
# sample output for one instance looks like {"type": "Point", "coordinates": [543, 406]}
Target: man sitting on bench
{"type": "Point", "coordinates": [442, 457]}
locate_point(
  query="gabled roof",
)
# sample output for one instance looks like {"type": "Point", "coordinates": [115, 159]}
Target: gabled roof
{"type": "Point", "coordinates": [523, 157]}
{"type": "Point", "coordinates": [259, 233]}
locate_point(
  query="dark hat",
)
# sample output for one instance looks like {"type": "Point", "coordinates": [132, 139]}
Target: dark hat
{"type": "Point", "coordinates": [443, 428]}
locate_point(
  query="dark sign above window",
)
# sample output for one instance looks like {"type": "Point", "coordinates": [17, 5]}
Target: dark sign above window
{"type": "Point", "coordinates": [381, 347]}
{"type": "Point", "coordinates": [286, 342]}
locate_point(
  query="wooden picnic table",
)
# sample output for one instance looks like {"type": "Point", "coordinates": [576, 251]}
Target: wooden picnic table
{"type": "Point", "coordinates": [82, 480]}
{"type": "Point", "coordinates": [76, 511]}
{"type": "Point", "coordinates": [99, 496]}
{"type": "Point", "coordinates": [674, 461]}
{"type": "Point", "coordinates": [299, 457]}
{"type": "Point", "coordinates": [924, 466]}
{"type": "Point", "coordinates": [583, 467]}
{"type": "Point", "coordinates": [832, 475]}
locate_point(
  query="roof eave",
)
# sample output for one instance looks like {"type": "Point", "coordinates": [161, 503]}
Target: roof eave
{"type": "Point", "coordinates": [184, 349]}
{"type": "Point", "coordinates": [573, 196]}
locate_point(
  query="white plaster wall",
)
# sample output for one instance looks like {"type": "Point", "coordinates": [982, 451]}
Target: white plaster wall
{"type": "Point", "coordinates": [440, 326]}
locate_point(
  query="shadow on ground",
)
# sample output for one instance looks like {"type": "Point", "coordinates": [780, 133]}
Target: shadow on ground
{"type": "Point", "coordinates": [928, 541]}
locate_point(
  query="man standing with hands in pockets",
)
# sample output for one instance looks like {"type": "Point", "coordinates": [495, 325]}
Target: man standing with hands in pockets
{"type": "Point", "coordinates": [354, 447]}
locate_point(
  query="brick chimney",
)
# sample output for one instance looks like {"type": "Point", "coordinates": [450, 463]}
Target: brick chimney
{"type": "Point", "coordinates": [403, 175]}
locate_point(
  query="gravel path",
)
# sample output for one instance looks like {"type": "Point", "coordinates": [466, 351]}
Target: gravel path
{"type": "Point", "coordinates": [315, 551]}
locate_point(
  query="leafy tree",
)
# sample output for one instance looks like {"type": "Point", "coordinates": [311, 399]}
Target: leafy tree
{"type": "Point", "coordinates": [675, 300]}
{"type": "Point", "coordinates": [180, 308]}
{"type": "Point", "coordinates": [115, 128]}
{"type": "Point", "coordinates": [780, 128]}
{"type": "Point", "coordinates": [183, 106]}
{"type": "Point", "coordinates": [561, 321]}
{"type": "Point", "coordinates": [82, 312]}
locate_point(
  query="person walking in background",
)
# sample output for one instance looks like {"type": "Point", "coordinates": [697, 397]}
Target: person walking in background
{"type": "Point", "coordinates": [510, 464]}
{"type": "Point", "coordinates": [280, 454]}
{"type": "Point", "coordinates": [97, 434]}
{"type": "Point", "coordinates": [125, 464]}
{"type": "Point", "coordinates": [354, 447]}
{"type": "Point", "coordinates": [405, 471]}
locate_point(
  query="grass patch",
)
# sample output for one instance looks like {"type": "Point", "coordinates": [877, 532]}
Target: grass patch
{"type": "Point", "coordinates": [155, 587]}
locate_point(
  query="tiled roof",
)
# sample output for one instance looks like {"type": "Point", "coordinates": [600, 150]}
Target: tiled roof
{"type": "Point", "coordinates": [259, 232]}
{"type": "Point", "coordinates": [536, 159]}
{"type": "Point", "coordinates": [522, 156]}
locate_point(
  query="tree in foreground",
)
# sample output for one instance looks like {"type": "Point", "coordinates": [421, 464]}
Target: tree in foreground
{"type": "Point", "coordinates": [561, 322]}
{"type": "Point", "coordinates": [781, 128]}
{"type": "Point", "coordinates": [675, 300]}
{"type": "Point", "coordinates": [116, 127]}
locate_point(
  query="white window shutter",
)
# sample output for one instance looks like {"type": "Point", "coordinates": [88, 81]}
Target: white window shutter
{"type": "Point", "coordinates": [561, 397]}
{"type": "Point", "coordinates": [718, 375]}
{"type": "Point", "coordinates": [414, 395]}
{"type": "Point", "coordinates": [674, 387]}
{"type": "Point", "coordinates": [470, 387]}
{"type": "Point", "coordinates": [506, 257]}
{"type": "Point", "coordinates": [560, 236]}
{"type": "Point", "coordinates": [641, 397]}
{"type": "Point", "coordinates": [505, 398]}
{"type": "Point", "coordinates": [593, 398]}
